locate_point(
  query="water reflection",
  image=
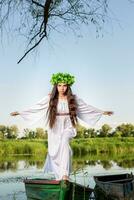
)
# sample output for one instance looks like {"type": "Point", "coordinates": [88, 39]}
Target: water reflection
{"type": "Point", "coordinates": [14, 163]}
{"type": "Point", "coordinates": [8, 165]}
{"type": "Point", "coordinates": [13, 170]}
{"type": "Point", "coordinates": [25, 162]}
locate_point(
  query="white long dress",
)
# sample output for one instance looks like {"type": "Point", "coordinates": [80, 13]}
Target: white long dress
{"type": "Point", "coordinates": [59, 155]}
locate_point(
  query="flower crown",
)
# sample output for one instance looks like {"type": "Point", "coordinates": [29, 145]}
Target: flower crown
{"type": "Point", "coordinates": [62, 78]}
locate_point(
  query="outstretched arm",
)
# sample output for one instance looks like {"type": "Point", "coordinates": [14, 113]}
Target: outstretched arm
{"type": "Point", "coordinates": [35, 112]}
{"type": "Point", "coordinates": [89, 114]}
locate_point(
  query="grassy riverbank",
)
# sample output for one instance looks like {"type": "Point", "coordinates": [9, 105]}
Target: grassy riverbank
{"type": "Point", "coordinates": [23, 147]}
{"type": "Point", "coordinates": [80, 146]}
{"type": "Point", "coordinates": [103, 145]}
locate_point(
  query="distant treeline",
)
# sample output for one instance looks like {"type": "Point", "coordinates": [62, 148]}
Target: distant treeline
{"type": "Point", "coordinates": [122, 130]}
{"type": "Point", "coordinates": [12, 132]}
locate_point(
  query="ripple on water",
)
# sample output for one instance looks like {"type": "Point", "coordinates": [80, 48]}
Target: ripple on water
{"type": "Point", "coordinates": [20, 195]}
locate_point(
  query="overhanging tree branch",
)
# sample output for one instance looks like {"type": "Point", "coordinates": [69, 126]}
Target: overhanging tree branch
{"type": "Point", "coordinates": [37, 3]}
{"type": "Point", "coordinates": [31, 49]}
{"type": "Point", "coordinates": [36, 18]}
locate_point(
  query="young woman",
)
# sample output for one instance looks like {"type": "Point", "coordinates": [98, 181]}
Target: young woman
{"type": "Point", "coordinates": [61, 111]}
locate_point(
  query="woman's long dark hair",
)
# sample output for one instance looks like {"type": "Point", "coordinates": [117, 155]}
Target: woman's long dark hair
{"type": "Point", "coordinates": [52, 109]}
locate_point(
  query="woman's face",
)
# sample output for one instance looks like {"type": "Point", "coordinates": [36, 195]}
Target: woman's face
{"type": "Point", "coordinates": [61, 87]}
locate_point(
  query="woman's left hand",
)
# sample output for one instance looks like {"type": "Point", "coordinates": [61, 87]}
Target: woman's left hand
{"type": "Point", "coordinates": [108, 113]}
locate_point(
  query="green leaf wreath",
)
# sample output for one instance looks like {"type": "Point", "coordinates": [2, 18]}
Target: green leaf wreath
{"type": "Point", "coordinates": [62, 78]}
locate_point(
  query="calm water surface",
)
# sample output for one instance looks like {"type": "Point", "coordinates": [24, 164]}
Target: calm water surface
{"type": "Point", "coordinates": [14, 170]}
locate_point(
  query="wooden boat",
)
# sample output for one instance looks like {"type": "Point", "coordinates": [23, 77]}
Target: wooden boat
{"type": "Point", "coordinates": [80, 192]}
{"type": "Point", "coordinates": [42, 189]}
{"type": "Point", "coordinates": [117, 186]}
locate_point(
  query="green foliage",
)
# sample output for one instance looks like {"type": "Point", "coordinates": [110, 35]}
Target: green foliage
{"type": "Point", "coordinates": [41, 133]}
{"type": "Point", "coordinates": [90, 133]}
{"type": "Point", "coordinates": [123, 130]}
{"type": "Point", "coordinates": [80, 131]}
{"type": "Point", "coordinates": [62, 78]}
{"type": "Point", "coordinates": [22, 147]}
{"type": "Point", "coordinates": [83, 132]}
{"type": "Point", "coordinates": [12, 132]}
{"type": "Point", "coordinates": [102, 145]}
{"type": "Point", "coordinates": [29, 134]}
{"type": "Point", "coordinates": [1, 135]}
{"type": "Point", "coordinates": [117, 133]}
{"type": "Point", "coordinates": [2, 131]}
{"type": "Point", "coordinates": [126, 130]}
{"type": "Point", "coordinates": [8, 132]}
{"type": "Point", "coordinates": [81, 147]}
{"type": "Point", "coordinates": [2, 128]}
{"type": "Point", "coordinates": [105, 130]}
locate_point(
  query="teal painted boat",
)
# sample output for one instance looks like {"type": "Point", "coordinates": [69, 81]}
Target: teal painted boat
{"type": "Point", "coordinates": [42, 189]}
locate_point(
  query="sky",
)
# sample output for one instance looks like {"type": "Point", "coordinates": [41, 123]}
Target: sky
{"type": "Point", "coordinates": [103, 68]}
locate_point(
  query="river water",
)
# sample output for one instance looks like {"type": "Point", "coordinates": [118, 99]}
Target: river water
{"type": "Point", "coordinates": [14, 170]}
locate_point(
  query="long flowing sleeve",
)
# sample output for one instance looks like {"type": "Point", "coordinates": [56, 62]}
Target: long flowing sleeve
{"type": "Point", "coordinates": [36, 112]}
{"type": "Point", "coordinates": [87, 113]}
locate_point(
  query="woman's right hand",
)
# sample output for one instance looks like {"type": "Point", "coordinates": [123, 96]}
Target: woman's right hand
{"type": "Point", "coordinates": [14, 113]}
